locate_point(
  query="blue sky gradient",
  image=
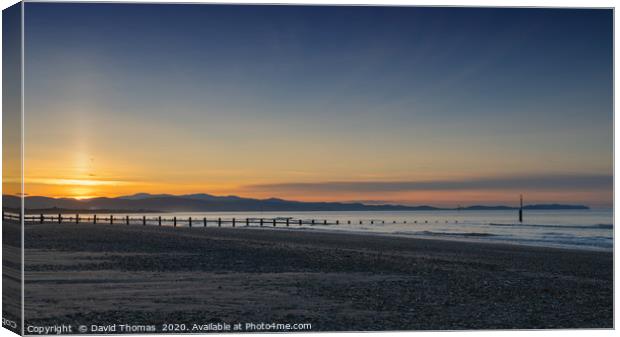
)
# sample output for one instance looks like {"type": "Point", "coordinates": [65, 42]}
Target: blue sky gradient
{"type": "Point", "coordinates": [377, 93]}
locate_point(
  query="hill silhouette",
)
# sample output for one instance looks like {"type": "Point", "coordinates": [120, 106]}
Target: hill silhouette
{"type": "Point", "coordinates": [144, 202]}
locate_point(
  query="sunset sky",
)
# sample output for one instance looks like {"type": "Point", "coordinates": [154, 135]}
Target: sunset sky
{"type": "Point", "coordinates": [440, 106]}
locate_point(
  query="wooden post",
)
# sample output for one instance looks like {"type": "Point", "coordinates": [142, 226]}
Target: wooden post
{"type": "Point", "coordinates": [300, 222]}
{"type": "Point", "coordinates": [204, 222]}
{"type": "Point", "coordinates": [312, 222]}
{"type": "Point", "coordinates": [144, 220]}
{"type": "Point", "coordinates": [95, 219]}
{"type": "Point", "coordinates": [219, 222]}
{"type": "Point", "coordinates": [175, 221]}
{"type": "Point", "coordinates": [521, 209]}
{"type": "Point", "coordinates": [247, 222]}
{"type": "Point", "coordinates": [41, 218]}
{"type": "Point", "coordinates": [234, 221]}
{"type": "Point", "coordinates": [274, 222]}
{"type": "Point", "coordinates": [360, 222]}
{"type": "Point", "coordinates": [325, 222]}
{"type": "Point", "coordinates": [59, 218]}
{"type": "Point", "coordinates": [287, 220]}
{"type": "Point", "coordinates": [111, 219]}
{"type": "Point", "coordinates": [159, 221]}
{"type": "Point", "coordinates": [77, 218]}
{"type": "Point", "coordinates": [348, 222]}
{"type": "Point", "coordinates": [190, 222]}
{"type": "Point", "coordinates": [127, 220]}
{"type": "Point", "coordinates": [261, 222]}
{"type": "Point", "coordinates": [337, 222]}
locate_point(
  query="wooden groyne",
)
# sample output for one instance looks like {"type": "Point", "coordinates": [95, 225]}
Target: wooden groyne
{"type": "Point", "coordinates": [191, 222]}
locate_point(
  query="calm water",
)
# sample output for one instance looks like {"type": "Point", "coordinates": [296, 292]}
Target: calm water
{"type": "Point", "coordinates": [583, 229]}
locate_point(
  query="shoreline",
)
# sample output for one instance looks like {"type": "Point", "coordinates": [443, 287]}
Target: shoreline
{"type": "Point", "coordinates": [107, 274]}
{"type": "Point", "coordinates": [455, 238]}
{"type": "Point", "coordinates": [313, 230]}
{"type": "Point", "coordinates": [473, 237]}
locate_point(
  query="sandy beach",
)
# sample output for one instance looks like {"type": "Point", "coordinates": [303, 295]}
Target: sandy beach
{"type": "Point", "coordinates": [116, 274]}
{"type": "Point", "coordinates": [11, 275]}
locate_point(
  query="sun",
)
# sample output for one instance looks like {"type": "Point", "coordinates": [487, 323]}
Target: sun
{"type": "Point", "coordinates": [81, 192]}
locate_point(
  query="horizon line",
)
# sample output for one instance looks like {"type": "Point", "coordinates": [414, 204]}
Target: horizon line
{"type": "Point", "coordinates": [362, 202]}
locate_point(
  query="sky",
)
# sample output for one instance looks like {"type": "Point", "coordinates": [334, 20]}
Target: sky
{"type": "Point", "coordinates": [439, 106]}
{"type": "Point", "coordinates": [11, 100]}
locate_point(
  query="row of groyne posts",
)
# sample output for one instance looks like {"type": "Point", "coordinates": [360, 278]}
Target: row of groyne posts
{"type": "Point", "coordinates": [189, 221]}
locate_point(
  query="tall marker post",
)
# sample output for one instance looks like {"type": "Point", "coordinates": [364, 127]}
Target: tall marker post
{"type": "Point", "coordinates": [521, 209]}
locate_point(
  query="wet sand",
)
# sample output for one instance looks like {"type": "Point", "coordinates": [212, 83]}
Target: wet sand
{"type": "Point", "coordinates": [116, 274]}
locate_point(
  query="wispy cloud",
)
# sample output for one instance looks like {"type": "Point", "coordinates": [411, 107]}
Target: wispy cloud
{"type": "Point", "coordinates": [559, 182]}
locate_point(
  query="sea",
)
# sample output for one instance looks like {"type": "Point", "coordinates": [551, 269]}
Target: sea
{"type": "Point", "coordinates": [590, 229]}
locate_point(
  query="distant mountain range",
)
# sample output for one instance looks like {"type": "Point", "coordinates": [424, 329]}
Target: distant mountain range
{"type": "Point", "coordinates": [144, 202]}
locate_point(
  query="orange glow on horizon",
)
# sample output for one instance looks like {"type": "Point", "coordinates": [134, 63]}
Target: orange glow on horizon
{"type": "Point", "coordinates": [86, 189]}
{"type": "Point", "coordinates": [86, 165]}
